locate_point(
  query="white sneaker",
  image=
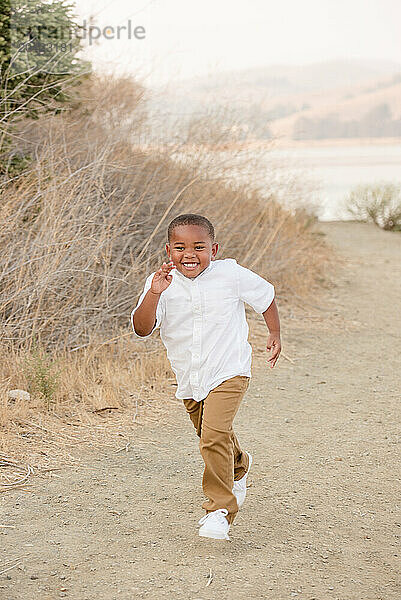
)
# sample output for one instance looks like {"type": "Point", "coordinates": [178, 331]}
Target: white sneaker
{"type": "Point", "coordinates": [215, 525]}
{"type": "Point", "coordinates": [239, 487]}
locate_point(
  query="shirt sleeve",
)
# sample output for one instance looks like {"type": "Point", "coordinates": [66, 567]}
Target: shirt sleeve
{"type": "Point", "coordinates": [254, 289]}
{"type": "Point", "coordinates": [159, 309]}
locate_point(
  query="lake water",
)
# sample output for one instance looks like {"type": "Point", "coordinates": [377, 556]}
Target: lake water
{"type": "Point", "coordinates": [335, 170]}
{"type": "Point", "coordinates": [321, 177]}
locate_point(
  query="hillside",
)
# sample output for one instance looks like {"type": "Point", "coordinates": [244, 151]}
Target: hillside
{"type": "Point", "coordinates": [283, 80]}
{"type": "Point", "coordinates": [348, 108]}
{"type": "Point", "coordinates": [270, 100]}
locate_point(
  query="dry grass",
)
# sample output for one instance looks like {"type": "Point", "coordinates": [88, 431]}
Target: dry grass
{"type": "Point", "coordinates": [104, 395]}
{"type": "Point", "coordinates": [80, 232]}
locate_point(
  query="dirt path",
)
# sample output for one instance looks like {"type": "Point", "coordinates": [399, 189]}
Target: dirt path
{"type": "Point", "coordinates": [322, 518]}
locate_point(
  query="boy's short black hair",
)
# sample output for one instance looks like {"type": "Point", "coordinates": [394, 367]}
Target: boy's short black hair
{"type": "Point", "coordinates": [191, 219]}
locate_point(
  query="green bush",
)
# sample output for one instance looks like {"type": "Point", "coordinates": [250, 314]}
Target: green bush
{"type": "Point", "coordinates": [39, 42]}
{"type": "Point", "coordinates": [41, 376]}
{"type": "Point", "coordinates": [39, 66]}
{"type": "Point", "coordinates": [377, 203]}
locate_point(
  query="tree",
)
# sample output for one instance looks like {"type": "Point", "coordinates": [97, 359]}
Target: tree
{"type": "Point", "coordinates": [39, 42]}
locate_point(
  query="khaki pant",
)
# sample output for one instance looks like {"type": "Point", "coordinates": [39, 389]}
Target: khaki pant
{"type": "Point", "coordinates": [224, 460]}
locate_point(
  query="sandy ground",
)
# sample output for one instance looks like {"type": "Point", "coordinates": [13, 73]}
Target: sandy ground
{"type": "Point", "coordinates": [322, 517]}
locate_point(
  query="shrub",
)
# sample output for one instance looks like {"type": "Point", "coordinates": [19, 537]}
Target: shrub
{"type": "Point", "coordinates": [39, 46]}
{"type": "Point", "coordinates": [379, 203]}
{"type": "Point", "coordinates": [41, 376]}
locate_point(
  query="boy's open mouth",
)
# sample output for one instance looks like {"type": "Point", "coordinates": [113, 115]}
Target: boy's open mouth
{"type": "Point", "coordinates": [190, 266]}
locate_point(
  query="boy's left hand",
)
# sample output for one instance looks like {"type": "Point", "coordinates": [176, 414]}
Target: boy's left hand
{"type": "Point", "coordinates": [274, 345]}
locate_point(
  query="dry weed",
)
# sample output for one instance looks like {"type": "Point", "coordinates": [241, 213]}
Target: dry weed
{"type": "Point", "coordinates": [84, 226]}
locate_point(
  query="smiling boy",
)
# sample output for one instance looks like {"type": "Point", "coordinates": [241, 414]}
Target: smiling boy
{"type": "Point", "coordinates": [198, 304]}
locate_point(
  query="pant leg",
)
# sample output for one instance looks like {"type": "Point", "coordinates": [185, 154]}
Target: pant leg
{"type": "Point", "coordinates": [195, 410]}
{"type": "Point", "coordinates": [241, 460]}
{"type": "Point", "coordinates": [218, 442]}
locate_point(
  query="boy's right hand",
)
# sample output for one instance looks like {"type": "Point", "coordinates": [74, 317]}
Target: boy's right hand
{"type": "Point", "coordinates": [162, 278]}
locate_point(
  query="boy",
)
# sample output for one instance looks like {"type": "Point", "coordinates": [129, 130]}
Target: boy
{"type": "Point", "coordinates": [198, 303]}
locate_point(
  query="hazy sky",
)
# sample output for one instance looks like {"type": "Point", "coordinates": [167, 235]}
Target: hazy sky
{"type": "Point", "coordinates": [186, 38]}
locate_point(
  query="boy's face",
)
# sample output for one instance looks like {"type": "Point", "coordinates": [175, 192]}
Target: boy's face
{"type": "Point", "coordinates": [191, 249]}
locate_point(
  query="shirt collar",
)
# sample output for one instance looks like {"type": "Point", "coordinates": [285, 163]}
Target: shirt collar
{"type": "Point", "coordinates": [208, 268]}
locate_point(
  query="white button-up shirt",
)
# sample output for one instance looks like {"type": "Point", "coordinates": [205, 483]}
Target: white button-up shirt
{"type": "Point", "coordinates": [203, 324]}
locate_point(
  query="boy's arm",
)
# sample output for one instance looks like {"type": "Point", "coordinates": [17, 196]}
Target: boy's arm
{"type": "Point", "coordinates": [144, 316]}
{"type": "Point", "coordinates": [273, 341]}
{"type": "Point", "coordinates": [149, 311]}
{"type": "Point", "coordinates": [259, 293]}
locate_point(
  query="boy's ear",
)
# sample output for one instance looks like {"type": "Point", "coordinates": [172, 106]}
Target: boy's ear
{"type": "Point", "coordinates": [215, 248]}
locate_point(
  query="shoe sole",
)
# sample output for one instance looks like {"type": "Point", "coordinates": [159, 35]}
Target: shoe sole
{"type": "Point", "coordinates": [216, 535]}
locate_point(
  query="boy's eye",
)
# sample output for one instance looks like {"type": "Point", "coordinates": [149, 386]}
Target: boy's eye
{"type": "Point", "coordinates": [196, 248]}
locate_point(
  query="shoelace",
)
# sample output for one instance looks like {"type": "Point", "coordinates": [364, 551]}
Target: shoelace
{"type": "Point", "coordinates": [219, 514]}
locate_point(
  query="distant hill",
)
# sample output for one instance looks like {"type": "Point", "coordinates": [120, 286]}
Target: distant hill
{"type": "Point", "coordinates": [273, 99]}
{"type": "Point", "coordinates": [349, 108]}
{"type": "Point", "coordinates": [283, 79]}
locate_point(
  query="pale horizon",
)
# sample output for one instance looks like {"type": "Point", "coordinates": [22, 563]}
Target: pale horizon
{"type": "Point", "coordinates": [184, 41]}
